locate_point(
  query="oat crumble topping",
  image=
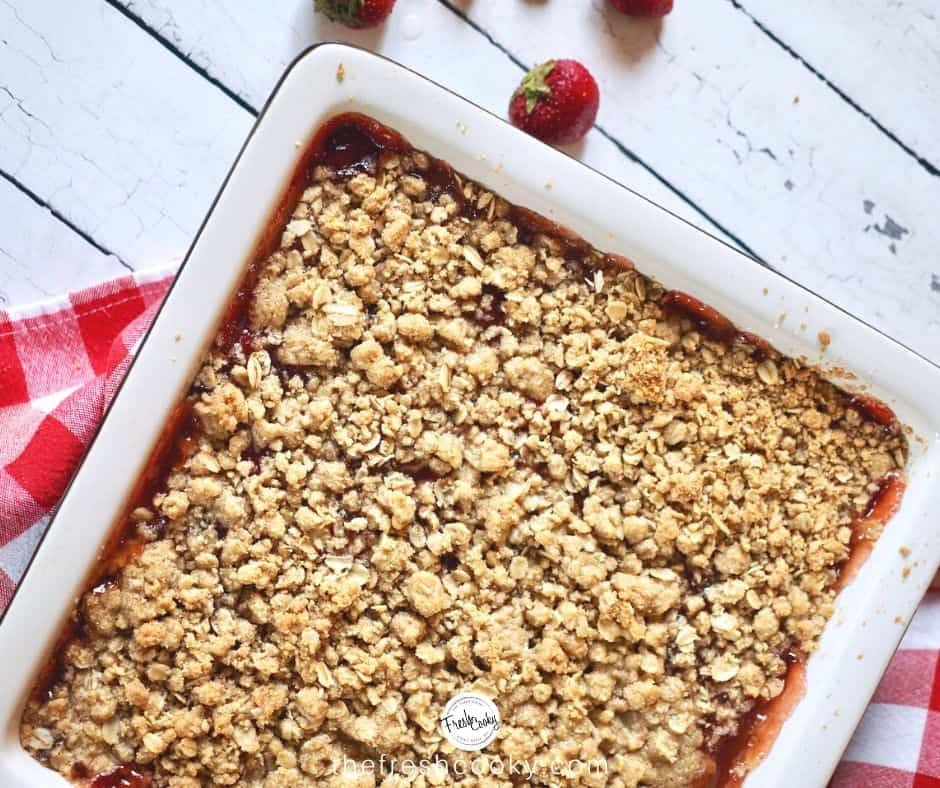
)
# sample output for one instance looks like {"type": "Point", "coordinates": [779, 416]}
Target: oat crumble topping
{"type": "Point", "coordinates": [460, 456]}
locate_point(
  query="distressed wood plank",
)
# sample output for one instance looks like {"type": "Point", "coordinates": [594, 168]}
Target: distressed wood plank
{"type": "Point", "coordinates": [884, 57]}
{"type": "Point", "coordinates": [109, 128]}
{"type": "Point", "coordinates": [40, 256]}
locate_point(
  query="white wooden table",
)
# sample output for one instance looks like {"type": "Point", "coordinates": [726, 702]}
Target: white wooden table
{"type": "Point", "coordinates": [806, 133]}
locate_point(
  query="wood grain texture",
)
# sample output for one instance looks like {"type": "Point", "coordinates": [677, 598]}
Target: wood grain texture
{"type": "Point", "coordinates": [40, 256]}
{"type": "Point", "coordinates": [883, 56]}
{"type": "Point", "coordinates": [109, 128]}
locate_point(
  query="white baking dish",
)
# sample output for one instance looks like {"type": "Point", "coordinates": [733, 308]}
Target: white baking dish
{"type": "Point", "coordinates": [871, 612]}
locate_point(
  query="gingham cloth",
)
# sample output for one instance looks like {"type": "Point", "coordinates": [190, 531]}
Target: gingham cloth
{"type": "Point", "coordinates": [60, 364]}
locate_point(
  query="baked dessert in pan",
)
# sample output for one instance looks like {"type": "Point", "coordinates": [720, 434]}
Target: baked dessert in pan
{"type": "Point", "coordinates": [441, 444]}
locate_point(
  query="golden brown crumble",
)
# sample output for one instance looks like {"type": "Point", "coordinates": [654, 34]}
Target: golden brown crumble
{"type": "Point", "coordinates": [455, 458]}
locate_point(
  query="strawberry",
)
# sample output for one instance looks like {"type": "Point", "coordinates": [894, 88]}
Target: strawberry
{"type": "Point", "coordinates": [556, 102]}
{"type": "Point", "coordinates": [355, 13]}
{"type": "Point", "coordinates": [643, 7]}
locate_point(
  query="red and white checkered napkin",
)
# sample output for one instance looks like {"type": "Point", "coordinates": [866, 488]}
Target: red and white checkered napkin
{"type": "Point", "coordinates": [897, 744]}
{"type": "Point", "coordinates": [60, 364]}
